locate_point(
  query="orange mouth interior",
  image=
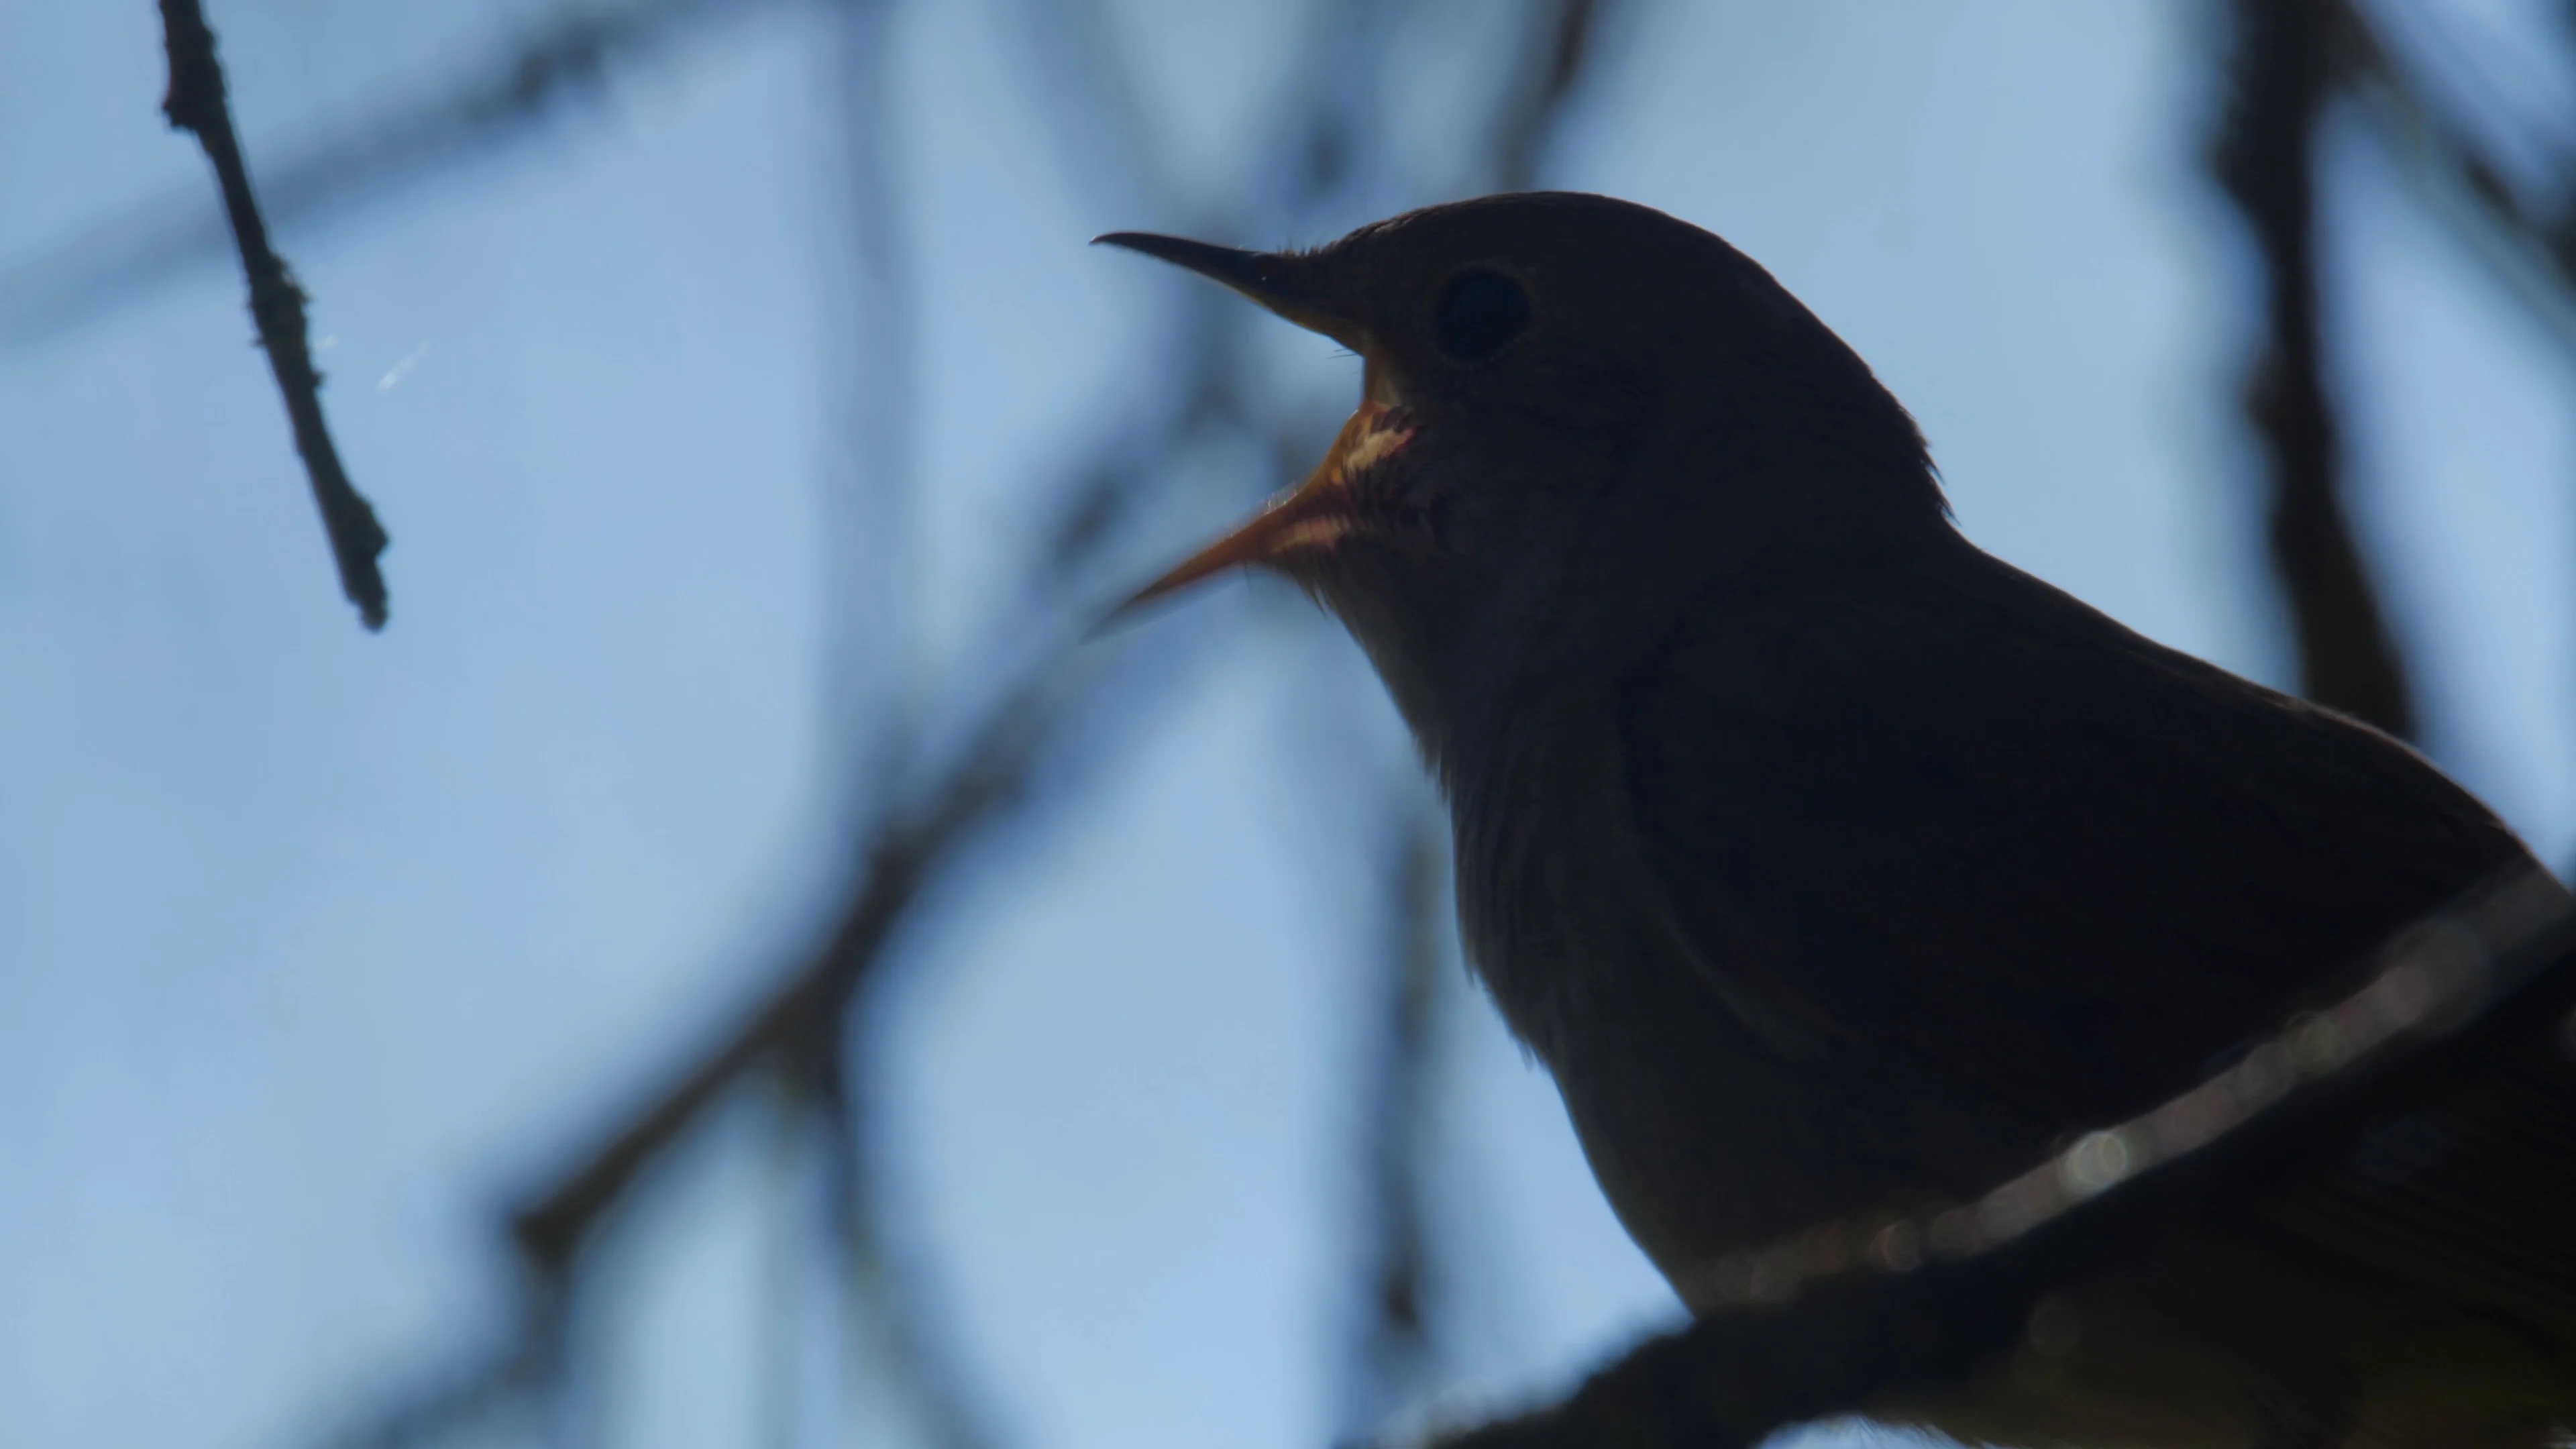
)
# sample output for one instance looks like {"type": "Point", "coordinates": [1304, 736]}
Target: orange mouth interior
{"type": "Point", "coordinates": [1313, 515]}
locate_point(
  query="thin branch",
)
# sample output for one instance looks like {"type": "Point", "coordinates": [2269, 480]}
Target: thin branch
{"type": "Point", "coordinates": [359, 160]}
{"type": "Point", "coordinates": [2265, 160]}
{"type": "Point", "coordinates": [196, 103]}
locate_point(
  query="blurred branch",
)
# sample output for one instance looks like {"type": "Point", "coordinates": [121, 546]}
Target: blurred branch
{"type": "Point", "coordinates": [967, 782]}
{"type": "Point", "coordinates": [1557, 44]}
{"type": "Point", "coordinates": [367, 159]}
{"type": "Point", "coordinates": [1395, 1344]}
{"type": "Point", "coordinates": [906, 852]}
{"type": "Point", "coordinates": [990, 769]}
{"type": "Point", "coordinates": [988, 772]}
{"type": "Point", "coordinates": [196, 103]}
{"type": "Point", "coordinates": [869, 532]}
{"type": "Point", "coordinates": [503, 1379]}
{"type": "Point", "coordinates": [2529, 241]}
{"type": "Point", "coordinates": [804, 1017]}
{"type": "Point", "coordinates": [1073, 47]}
{"type": "Point", "coordinates": [899, 1328]}
{"type": "Point", "coordinates": [2264, 157]}
{"type": "Point", "coordinates": [797, 1023]}
{"type": "Point", "coordinates": [786, 1246]}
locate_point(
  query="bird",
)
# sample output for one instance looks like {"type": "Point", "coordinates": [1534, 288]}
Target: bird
{"type": "Point", "coordinates": [1827, 861]}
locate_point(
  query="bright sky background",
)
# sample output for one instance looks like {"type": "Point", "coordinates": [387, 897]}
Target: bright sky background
{"type": "Point", "coordinates": [316, 948]}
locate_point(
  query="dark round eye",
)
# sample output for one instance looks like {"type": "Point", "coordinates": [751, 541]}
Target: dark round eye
{"type": "Point", "coordinates": [1479, 310]}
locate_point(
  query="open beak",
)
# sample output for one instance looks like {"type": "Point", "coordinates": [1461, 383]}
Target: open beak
{"type": "Point", "coordinates": [1317, 512]}
{"type": "Point", "coordinates": [1313, 515]}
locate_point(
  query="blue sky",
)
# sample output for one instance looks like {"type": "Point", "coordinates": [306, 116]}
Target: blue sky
{"type": "Point", "coordinates": [316, 948]}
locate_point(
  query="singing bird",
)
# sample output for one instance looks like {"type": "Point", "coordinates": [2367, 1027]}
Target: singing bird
{"type": "Point", "coordinates": [1827, 861]}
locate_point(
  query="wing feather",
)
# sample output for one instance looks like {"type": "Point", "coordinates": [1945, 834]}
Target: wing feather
{"type": "Point", "coordinates": [1949, 811]}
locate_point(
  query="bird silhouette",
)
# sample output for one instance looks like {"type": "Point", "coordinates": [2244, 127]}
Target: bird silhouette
{"type": "Point", "coordinates": [1829, 862]}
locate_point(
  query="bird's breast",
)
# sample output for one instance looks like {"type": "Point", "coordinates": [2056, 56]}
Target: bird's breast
{"type": "Point", "coordinates": [1706, 1130]}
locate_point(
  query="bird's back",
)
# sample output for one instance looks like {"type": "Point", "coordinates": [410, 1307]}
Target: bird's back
{"type": "Point", "coordinates": [1929, 832]}
{"type": "Point", "coordinates": [1977, 820]}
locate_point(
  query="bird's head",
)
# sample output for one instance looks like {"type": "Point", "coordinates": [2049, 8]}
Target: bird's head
{"type": "Point", "coordinates": [1573, 406]}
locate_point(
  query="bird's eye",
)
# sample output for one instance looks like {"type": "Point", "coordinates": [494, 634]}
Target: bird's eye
{"type": "Point", "coordinates": [1479, 310]}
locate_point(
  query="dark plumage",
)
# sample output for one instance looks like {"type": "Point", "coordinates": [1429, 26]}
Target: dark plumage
{"type": "Point", "coordinates": [1829, 862]}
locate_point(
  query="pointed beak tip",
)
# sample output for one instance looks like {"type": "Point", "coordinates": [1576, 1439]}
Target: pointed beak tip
{"type": "Point", "coordinates": [1143, 604]}
{"type": "Point", "coordinates": [1206, 258]}
{"type": "Point", "coordinates": [1279, 281]}
{"type": "Point", "coordinates": [1114, 621]}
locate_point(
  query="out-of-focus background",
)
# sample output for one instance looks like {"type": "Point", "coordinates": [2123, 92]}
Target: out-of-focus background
{"type": "Point", "coordinates": [729, 965]}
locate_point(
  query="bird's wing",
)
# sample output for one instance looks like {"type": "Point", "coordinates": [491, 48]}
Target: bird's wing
{"type": "Point", "coordinates": [1952, 814]}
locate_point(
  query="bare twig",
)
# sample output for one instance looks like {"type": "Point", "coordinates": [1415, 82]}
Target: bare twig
{"type": "Point", "coordinates": [196, 103]}
{"type": "Point", "coordinates": [2264, 158]}
{"type": "Point", "coordinates": [362, 159]}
